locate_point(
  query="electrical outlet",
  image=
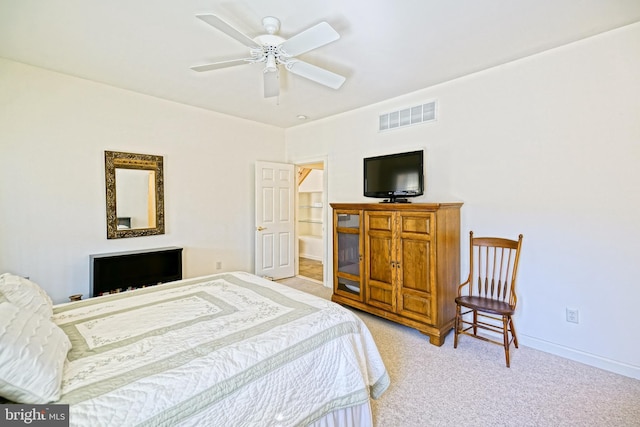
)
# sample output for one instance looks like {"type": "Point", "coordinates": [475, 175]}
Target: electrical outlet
{"type": "Point", "coordinates": [572, 315]}
{"type": "Point", "coordinates": [218, 265]}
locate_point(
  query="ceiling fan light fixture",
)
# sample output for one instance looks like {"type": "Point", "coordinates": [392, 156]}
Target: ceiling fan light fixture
{"type": "Point", "coordinates": [271, 64]}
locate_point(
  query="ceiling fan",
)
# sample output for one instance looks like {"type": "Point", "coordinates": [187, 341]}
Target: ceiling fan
{"type": "Point", "coordinates": [273, 50]}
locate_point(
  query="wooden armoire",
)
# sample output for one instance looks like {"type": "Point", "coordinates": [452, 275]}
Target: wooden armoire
{"type": "Point", "coordinates": [400, 261]}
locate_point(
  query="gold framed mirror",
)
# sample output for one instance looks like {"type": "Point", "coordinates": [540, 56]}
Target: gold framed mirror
{"type": "Point", "coordinates": [135, 194]}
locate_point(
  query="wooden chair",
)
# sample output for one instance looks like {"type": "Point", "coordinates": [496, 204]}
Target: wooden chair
{"type": "Point", "coordinates": [489, 292]}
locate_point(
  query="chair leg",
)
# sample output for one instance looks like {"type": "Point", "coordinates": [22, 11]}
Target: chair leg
{"type": "Point", "coordinates": [475, 322]}
{"type": "Point", "coordinates": [505, 334]}
{"type": "Point", "coordinates": [513, 332]}
{"type": "Point", "coordinates": [456, 327]}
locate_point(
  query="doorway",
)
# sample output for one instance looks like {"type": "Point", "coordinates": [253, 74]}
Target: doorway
{"type": "Point", "coordinates": [311, 218]}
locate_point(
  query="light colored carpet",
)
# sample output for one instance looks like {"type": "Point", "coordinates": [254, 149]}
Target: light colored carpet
{"type": "Point", "coordinates": [470, 385]}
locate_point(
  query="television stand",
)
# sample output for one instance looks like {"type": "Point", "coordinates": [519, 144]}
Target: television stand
{"type": "Point", "coordinates": [396, 200]}
{"type": "Point", "coordinates": [400, 262]}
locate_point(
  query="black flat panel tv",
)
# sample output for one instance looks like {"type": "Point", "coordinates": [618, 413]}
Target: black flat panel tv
{"type": "Point", "coordinates": [394, 177]}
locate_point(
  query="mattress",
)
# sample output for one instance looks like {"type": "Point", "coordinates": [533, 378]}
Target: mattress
{"type": "Point", "coordinates": [230, 349]}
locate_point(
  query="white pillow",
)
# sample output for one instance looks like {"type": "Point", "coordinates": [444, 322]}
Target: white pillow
{"type": "Point", "coordinates": [33, 351]}
{"type": "Point", "coordinates": [26, 294]}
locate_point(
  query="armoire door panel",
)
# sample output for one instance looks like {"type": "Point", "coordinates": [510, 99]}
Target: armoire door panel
{"type": "Point", "coordinates": [415, 306]}
{"type": "Point", "coordinates": [415, 265]}
{"type": "Point", "coordinates": [379, 221]}
{"type": "Point", "coordinates": [415, 223]}
{"type": "Point", "coordinates": [379, 249]}
{"type": "Point", "coordinates": [347, 254]}
{"type": "Point", "coordinates": [380, 295]}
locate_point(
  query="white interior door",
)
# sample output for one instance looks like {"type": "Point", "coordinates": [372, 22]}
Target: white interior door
{"type": "Point", "coordinates": [275, 221]}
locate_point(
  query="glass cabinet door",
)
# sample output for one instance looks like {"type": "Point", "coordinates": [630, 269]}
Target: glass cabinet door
{"type": "Point", "coordinates": [347, 253]}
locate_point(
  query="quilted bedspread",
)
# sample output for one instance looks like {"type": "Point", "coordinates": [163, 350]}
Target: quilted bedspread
{"type": "Point", "coordinates": [230, 350]}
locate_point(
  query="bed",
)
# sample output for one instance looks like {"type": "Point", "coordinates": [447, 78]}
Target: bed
{"type": "Point", "coordinates": [230, 349]}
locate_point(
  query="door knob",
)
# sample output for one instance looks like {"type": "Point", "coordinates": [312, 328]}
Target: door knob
{"type": "Point", "coordinates": [260, 228]}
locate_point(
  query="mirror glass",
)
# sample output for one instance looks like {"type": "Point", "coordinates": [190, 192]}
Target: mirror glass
{"type": "Point", "coordinates": [135, 195]}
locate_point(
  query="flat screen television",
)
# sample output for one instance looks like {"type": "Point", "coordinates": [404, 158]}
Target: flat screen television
{"type": "Point", "coordinates": [394, 177]}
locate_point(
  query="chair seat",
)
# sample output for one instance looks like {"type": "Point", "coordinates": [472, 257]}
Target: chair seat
{"type": "Point", "coordinates": [485, 304]}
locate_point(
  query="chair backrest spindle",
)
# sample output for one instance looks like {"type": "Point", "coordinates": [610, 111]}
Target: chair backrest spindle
{"type": "Point", "coordinates": [493, 262]}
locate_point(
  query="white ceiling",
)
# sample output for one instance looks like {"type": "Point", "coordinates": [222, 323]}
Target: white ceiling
{"type": "Point", "coordinates": [387, 47]}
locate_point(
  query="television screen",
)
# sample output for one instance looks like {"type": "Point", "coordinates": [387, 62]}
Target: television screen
{"type": "Point", "coordinates": [394, 176]}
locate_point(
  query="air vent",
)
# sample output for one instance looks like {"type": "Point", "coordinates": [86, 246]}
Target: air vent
{"type": "Point", "coordinates": [408, 116]}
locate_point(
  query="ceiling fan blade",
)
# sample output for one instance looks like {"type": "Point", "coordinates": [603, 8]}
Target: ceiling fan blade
{"type": "Point", "coordinates": [216, 22]}
{"type": "Point", "coordinates": [317, 74]}
{"type": "Point", "coordinates": [271, 84]}
{"type": "Point", "coordinates": [221, 64]}
{"type": "Point", "coordinates": [312, 38]}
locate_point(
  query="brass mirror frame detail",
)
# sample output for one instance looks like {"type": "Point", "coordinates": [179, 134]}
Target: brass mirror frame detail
{"type": "Point", "coordinates": [116, 160]}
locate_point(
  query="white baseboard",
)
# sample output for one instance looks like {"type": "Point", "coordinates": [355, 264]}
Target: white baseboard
{"type": "Point", "coordinates": [581, 356]}
{"type": "Point", "coordinates": [311, 256]}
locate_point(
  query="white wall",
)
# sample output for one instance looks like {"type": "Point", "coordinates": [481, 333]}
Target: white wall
{"type": "Point", "coordinates": [54, 130]}
{"type": "Point", "coordinates": [548, 146]}
{"type": "Point", "coordinates": [313, 181]}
